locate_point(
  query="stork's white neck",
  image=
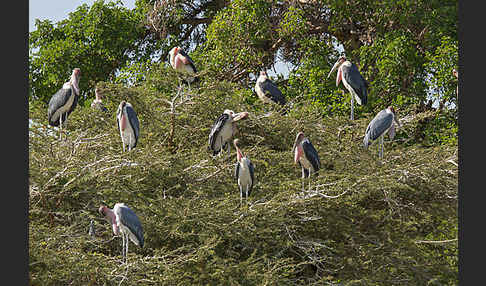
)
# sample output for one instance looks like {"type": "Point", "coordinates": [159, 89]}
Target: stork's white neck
{"type": "Point", "coordinates": [346, 63]}
{"type": "Point", "coordinates": [261, 78]}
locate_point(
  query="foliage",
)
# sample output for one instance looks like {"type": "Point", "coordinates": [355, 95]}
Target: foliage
{"type": "Point", "coordinates": [440, 64]}
{"type": "Point", "coordinates": [99, 39]}
{"type": "Point", "coordinates": [363, 222]}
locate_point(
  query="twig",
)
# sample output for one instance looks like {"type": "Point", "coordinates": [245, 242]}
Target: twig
{"type": "Point", "coordinates": [436, 241]}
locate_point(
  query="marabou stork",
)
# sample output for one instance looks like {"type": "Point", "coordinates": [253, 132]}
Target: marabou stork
{"type": "Point", "coordinates": [244, 172]}
{"type": "Point", "coordinates": [181, 61]}
{"type": "Point", "coordinates": [306, 156]}
{"type": "Point", "coordinates": [456, 74]}
{"type": "Point", "coordinates": [128, 125]}
{"type": "Point", "coordinates": [125, 222]}
{"type": "Point", "coordinates": [64, 101]}
{"type": "Point", "coordinates": [98, 101]}
{"type": "Point", "coordinates": [267, 90]}
{"type": "Point", "coordinates": [224, 128]}
{"type": "Point", "coordinates": [353, 81]}
{"type": "Point", "coordinates": [384, 122]}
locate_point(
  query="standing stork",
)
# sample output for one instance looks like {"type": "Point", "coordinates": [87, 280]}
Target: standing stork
{"type": "Point", "coordinates": [306, 156]}
{"type": "Point", "coordinates": [64, 101]}
{"type": "Point", "coordinates": [128, 125]}
{"type": "Point", "coordinates": [125, 222]}
{"type": "Point", "coordinates": [244, 172]}
{"type": "Point", "coordinates": [353, 81]}
{"type": "Point", "coordinates": [384, 122]}
{"type": "Point", "coordinates": [181, 61]}
{"type": "Point", "coordinates": [267, 90]}
{"type": "Point", "coordinates": [224, 128]}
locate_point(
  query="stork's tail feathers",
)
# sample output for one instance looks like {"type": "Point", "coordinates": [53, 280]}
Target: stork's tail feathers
{"type": "Point", "coordinates": [366, 141]}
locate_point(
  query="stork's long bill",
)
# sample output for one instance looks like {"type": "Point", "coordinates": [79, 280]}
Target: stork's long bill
{"type": "Point", "coordinates": [296, 150]}
{"type": "Point", "coordinates": [239, 116]}
{"type": "Point", "coordinates": [123, 119]}
{"type": "Point", "coordinates": [394, 116]}
{"type": "Point", "coordinates": [75, 79]}
{"type": "Point", "coordinates": [110, 216]}
{"type": "Point", "coordinates": [336, 65]}
{"type": "Point", "coordinates": [239, 155]}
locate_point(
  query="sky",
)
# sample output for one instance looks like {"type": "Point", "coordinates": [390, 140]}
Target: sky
{"type": "Point", "coordinates": [57, 10]}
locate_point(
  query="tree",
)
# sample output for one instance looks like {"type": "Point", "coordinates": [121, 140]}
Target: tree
{"type": "Point", "coordinates": [99, 39]}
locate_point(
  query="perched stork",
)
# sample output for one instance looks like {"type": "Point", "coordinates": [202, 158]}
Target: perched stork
{"type": "Point", "coordinates": [224, 128]}
{"type": "Point", "coordinates": [181, 61]}
{"type": "Point", "coordinates": [98, 101]}
{"type": "Point", "coordinates": [244, 172]}
{"type": "Point", "coordinates": [384, 122]}
{"type": "Point", "coordinates": [306, 156]}
{"type": "Point", "coordinates": [268, 91]}
{"type": "Point", "coordinates": [64, 101]}
{"type": "Point", "coordinates": [353, 81]}
{"type": "Point", "coordinates": [125, 222]}
{"type": "Point", "coordinates": [128, 125]}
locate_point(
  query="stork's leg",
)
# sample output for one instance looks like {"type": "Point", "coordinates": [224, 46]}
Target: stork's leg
{"type": "Point", "coordinates": [130, 144]}
{"type": "Point", "coordinates": [126, 251]}
{"type": "Point", "coordinates": [309, 178]}
{"type": "Point", "coordinates": [123, 246]}
{"type": "Point", "coordinates": [247, 194]}
{"type": "Point", "coordinates": [60, 126]}
{"type": "Point", "coordinates": [303, 179]}
{"type": "Point", "coordinates": [220, 146]}
{"type": "Point", "coordinates": [352, 107]}
{"type": "Point", "coordinates": [229, 150]}
{"type": "Point", "coordinates": [381, 146]}
{"type": "Point", "coordinates": [241, 195]}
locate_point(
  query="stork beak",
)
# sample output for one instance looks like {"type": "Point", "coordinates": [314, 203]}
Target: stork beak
{"type": "Point", "coordinates": [336, 65]}
{"type": "Point", "coordinates": [241, 115]}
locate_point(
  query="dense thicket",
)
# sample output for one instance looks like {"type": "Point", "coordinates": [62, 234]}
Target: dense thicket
{"type": "Point", "coordinates": [363, 222]}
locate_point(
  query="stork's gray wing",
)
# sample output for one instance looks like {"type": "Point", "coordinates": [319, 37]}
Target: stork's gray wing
{"type": "Point", "coordinates": [357, 82]}
{"type": "Point", "coordinates": [191, 62]}
{"type": "Point", "coordinates": [271, 90]}
{"type": "Point", "coordinates": [217, 126]}
{"type": "Point", "coordinates": [58, 100]}
{"type": "Point", "coordinates": [252, 175]}
{"type": "Point", "coordinates": [133, 119]}
{"type": "Point", "coordinates": [131, 221]}
{"type": "Point", "coordinates": [311, 154]}
{"type": "Point", "coordinates": [379, 124]}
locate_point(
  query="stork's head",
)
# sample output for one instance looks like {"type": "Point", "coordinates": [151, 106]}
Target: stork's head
{"type": "Point", "coordinates": [239, 154]}
{"type": "Point", "coordinates": [102, 210]}
{"type": "Point", "coordinates": [394, 114]}
{"type": "Point", "coordinates": [172, 53]}
{"type": "Point", "coordinates": [300, 136]}
{"type": "Point", "coordinates": [122, 105]}
{"type": "Point", "coordinates": [455, 73]}
{"type": "Point", "coordinates": [298, 139]}
{"type": "Point", "coordinates": [339, 62]}
{"type": "Point", "coordinates": [98, 94]}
